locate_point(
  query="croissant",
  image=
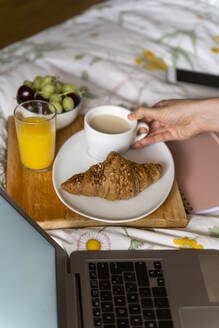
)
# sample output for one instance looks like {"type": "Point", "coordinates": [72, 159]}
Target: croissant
{"type": "Point", "coordinates": [115, 178]}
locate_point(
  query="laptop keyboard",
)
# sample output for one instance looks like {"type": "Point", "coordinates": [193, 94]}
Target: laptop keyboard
{"type": "Point", "coordinates": [129, 294]}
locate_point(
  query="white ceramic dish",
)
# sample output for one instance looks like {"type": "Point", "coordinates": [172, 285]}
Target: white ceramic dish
{"type": "Point", "coordinates": [66, 118]}
{"type": "Point", "coordinates": [73, 158]}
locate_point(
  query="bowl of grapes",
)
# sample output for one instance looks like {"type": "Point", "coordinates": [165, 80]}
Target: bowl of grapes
{"type": "Point", "coordinates": [65, 97]}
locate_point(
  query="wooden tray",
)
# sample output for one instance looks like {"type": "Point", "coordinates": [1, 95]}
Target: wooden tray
{"type": "Point", "coordinates": [35, 193]}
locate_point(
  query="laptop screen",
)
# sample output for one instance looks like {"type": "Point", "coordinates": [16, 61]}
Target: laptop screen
{"type": "Point", "coordinates": [27, 274]}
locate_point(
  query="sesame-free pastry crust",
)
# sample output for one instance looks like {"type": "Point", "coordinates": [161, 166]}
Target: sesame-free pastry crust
{"type": "Point", "coordinates": [113, 179]}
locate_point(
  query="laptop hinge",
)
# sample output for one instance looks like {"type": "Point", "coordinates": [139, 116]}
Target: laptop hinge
{"type": "Point", "coordinates": [68, 265]}
{"type": "Point", "coordinates": [79, 300]}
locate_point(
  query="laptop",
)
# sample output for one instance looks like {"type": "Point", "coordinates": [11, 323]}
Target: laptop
{"type": "Point", "coordinates": [41, 287]}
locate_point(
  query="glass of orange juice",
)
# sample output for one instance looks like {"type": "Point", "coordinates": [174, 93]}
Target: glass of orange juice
{"type": "Point", "coordinates": [35, 122]}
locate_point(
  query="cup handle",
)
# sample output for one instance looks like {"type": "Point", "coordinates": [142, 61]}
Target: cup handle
{"type": "Point", "coordinates": [142, 135]}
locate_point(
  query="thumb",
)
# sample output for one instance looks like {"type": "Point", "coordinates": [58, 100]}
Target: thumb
{"type": "Point", "coordinates": [146, 113]}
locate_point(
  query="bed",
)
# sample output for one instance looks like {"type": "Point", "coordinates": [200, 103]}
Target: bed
{"type": "Point", "coordinates": [120, 51]}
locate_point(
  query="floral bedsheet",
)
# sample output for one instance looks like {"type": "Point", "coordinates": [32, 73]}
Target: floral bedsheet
{"type": "Point", "coordinates": [120, 51]}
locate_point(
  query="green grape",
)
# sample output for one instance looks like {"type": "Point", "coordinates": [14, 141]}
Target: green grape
{"type": "Point", "coordinates": [51, 107]}
{"type": "Point", "coordinates": [47, 80]}
{"type": "Point", "coordinates": [58, 107]}
{"type": "Point", "coordinates": [55, 97]}
{"type": "Point", "coordinates": [37, 82]}
{"type": "Point", "coordinates": [69, 87]}
{"type": "Point", "coordinates": [68, 103]}
{"type": "Point", "coordinates": [28, 83]}
{"type": "Point", "coordinates": [47, 90]}
{"type": "Point", "coordinates": [58, 86]}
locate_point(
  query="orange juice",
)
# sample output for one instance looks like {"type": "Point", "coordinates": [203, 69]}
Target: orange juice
{"type": "Point", "coordinates": [36, 138]}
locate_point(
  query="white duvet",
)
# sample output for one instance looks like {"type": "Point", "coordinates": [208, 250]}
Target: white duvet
{"type": "Point", "coordinates": [120, 50]}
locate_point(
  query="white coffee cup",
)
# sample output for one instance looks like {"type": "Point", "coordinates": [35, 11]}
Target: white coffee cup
{"type": "Point", "coordinates": [100, 144]}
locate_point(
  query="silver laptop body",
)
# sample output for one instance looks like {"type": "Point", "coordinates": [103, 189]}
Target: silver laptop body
{"type": "Point", "coordinates": [40, 286]}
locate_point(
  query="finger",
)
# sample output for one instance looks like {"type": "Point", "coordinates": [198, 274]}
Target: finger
{"type": "Point", "coordinates": [159, 130]}
{"type": "Point", "coordinates": [163, 103]}
{"type": "Point", "coordinates": [155, 126]}
{"type": "Point", "coordinates": [145, 113]}
{"type": "Point", "coordinates": [146, 120]}
{"type": "Point", "coordinates": [160, 103]}
{"type": "Point", "coordinates": [142, 130]}
{"type": "Point", "coordinates": [161, 137]}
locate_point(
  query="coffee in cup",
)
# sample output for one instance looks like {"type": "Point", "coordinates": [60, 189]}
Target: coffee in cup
{"type": "Point", "coordinates": [108, 123]}
{"type": "Point", "coordinates": [107, 128]}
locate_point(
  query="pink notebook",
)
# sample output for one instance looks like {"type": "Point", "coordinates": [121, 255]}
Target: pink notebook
{"type": "Point", "coordinates": [197, 171]}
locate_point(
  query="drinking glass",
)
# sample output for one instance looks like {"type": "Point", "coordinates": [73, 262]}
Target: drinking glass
{"type": "Point", "coordinates": [35, 122]}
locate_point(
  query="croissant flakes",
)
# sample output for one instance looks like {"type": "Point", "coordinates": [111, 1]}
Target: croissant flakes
{"type": "Point", "coordinates": [115, 178]}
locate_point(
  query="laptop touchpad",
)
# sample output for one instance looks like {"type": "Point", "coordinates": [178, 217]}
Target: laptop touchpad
{"type": "Point", "coordinates": [200, 317]}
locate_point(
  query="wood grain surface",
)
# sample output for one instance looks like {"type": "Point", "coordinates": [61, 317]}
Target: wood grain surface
{"type": "Point", "coordinates": [35, 193]}
{"type": "Point", "coordinates": [23, 18]}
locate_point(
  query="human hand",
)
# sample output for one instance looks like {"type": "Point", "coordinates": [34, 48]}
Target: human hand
{"type": "Point", "coordinates": [177, 119]}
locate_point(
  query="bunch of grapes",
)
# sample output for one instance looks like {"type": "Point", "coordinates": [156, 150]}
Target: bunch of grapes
{"type": "Point", "coordinates": [64, 96]}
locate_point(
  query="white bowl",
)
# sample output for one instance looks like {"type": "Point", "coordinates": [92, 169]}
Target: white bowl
{"type": "Point", "coordinates": [66, 118]}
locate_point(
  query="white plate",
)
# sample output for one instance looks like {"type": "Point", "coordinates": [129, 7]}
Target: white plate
{"type": "Point", "coordinates": [73, 158]}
